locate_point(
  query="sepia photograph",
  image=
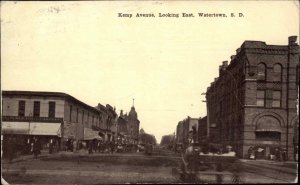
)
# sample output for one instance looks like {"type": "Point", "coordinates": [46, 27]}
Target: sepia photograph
{"type": "Point", "coordinates": [149, 92]}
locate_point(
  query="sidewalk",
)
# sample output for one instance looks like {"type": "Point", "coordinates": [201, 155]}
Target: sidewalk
{"type": "Point", "coordinates": [44, 153]}
{"type": "Point", "coordinates": [268, 161]}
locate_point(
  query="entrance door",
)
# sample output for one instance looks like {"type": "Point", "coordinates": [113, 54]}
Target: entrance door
{"type": "Point", "coordinates": [260, 152]}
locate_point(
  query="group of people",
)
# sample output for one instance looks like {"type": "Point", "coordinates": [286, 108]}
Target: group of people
{"type": "Point", "coordinates": [277, 154]}
{"type": "Point", "coordinates": [12, 147]}
{"type": "Point", "coordinates": [97, 146]}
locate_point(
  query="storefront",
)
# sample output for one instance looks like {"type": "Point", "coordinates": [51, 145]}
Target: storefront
{"type": "Point", "coordinates": [23, 133]}
{"type": "Point", "coordinates": [268, 138]}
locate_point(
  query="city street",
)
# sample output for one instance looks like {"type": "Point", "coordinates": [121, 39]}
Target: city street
{"type": "Point", "coordinates": [160, 167]}
{"type": "Point", "coordinates": [82, 168]}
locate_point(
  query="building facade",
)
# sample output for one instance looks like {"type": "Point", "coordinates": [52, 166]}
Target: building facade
{"type": "Point", "coordinates": [45, 115]}
{"type": "Point", "coordinates": [202, 129]}
{"type": "Point", "coordinates": [184, 131]}
{"type": "Point", "coordinates": [128, 126]}
{"type": "Point", "coordinates": [252, 104]}
{"type": "Point", "coordinates": [133, 125]}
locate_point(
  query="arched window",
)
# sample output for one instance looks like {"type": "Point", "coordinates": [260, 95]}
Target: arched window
{"type": "Point", "coordinates": [277, 71]}
{"type": "Point", "coordinates": [261, 72]}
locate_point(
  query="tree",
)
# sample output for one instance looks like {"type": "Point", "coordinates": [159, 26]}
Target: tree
{"type": "Point", "coordinates": [145, 138]}
{"type": "Point", "coordinates": [167, 140]}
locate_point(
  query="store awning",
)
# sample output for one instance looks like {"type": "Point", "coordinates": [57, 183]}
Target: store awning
{"type": "Point", "coordinates": [32, 128]}
{"type": "Point", "coordinates": [268, 126]}
{"type": "Point", "coordinates": [90, 134]}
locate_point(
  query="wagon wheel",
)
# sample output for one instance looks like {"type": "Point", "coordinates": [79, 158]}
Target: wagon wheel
{"type": "Point", "coordinates": [236, 179]}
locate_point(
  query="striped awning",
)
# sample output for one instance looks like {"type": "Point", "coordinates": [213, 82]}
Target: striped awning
{"type": "Point", "coordinates": [32, 128]}
{"type": "Point", "coordinates": [90, 134]}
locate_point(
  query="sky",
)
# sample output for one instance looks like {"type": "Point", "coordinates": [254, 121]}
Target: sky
{"type": "Point", "coordinates": [84, 49]}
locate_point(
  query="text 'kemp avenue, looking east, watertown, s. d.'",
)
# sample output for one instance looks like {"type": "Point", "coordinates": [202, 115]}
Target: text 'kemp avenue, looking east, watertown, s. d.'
{"type": "Point", "coordinates": [177, 15]}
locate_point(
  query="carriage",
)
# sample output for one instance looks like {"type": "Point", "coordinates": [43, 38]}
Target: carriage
{"type": "Point", "coordinates": [201, 165]}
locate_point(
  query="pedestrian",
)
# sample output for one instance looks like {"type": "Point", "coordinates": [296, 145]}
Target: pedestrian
{"type": "Point", "coordinates": [36, 148]}
{"type": "Point", "coordinates": [10, 149]}
{"type": "Point", "coordinates": [51, 146]}
{"type": "Point", "coordinates": [112, 147]}
{"type": "Point", "coordinates": [74, 146]}
{"type": "Point", "coordinates": [90, 147]}
{"type": "Point", "coordinates": [284, 156]}
{"type": "Point", "coordinates": [251, 153]}
{"type": "Point", "coordinates": [98, 146]}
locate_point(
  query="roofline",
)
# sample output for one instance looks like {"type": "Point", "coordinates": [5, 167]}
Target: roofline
{"type": "Point", "coordinates": [48, 94]}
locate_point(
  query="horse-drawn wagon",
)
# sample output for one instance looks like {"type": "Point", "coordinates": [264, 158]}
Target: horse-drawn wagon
{"type": "Point", "coordinates": [198, 165]}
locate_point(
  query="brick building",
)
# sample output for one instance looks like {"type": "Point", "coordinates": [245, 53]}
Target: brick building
{"type": "Point", "coordinates": [46, 115]}
{"type": "Point", "coordinates": [253, 101]}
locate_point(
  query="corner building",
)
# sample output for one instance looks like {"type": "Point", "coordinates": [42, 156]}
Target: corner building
{"type": "Point", "coordinates": [52, 115]}
{"type": "Point", "coordinates": [253, 102]}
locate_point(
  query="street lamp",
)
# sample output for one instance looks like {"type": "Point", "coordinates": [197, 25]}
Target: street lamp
{"type": "Point", "coordinates": [30, 115]}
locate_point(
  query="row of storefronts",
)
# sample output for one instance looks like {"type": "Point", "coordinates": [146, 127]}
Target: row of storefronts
{"type": "Point", "coordinates": [53, 117]}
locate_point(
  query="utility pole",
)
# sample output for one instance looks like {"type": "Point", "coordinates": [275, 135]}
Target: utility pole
{"type": "Point", "coordinates": [207, 116]}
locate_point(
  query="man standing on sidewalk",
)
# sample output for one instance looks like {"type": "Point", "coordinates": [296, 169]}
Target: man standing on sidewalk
{"type": "Point", "coordinates": [10, 147]}
{"type": "Point", "coordinates": [36, 148]}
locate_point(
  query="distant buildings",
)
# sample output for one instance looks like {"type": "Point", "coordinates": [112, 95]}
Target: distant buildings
{"type": "Point", "coordinates": [184, 130]}
{"type": "Point", "coordinates": [133, 125]}
{"type": "Point", "coordinates": [128, 126]}
{"type": "Point", "coordinates": [145, 138]}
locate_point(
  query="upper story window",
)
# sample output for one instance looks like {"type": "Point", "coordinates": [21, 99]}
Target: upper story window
{"type": "Point", "coordinates": [276, 99]}
{"type": "Point", "coordinates": [260, 98]}
{"type": "Point", "coordinates": [277, 71]}
{"type": "Point", "coordinates": [82, 116]}
{"type": "Point", "coordinates": [71, 112]}
{"type": "Point", "coordinates": [261, 72]}
{"type": "Point", "coordinates": [21, 111]}
{"type": "Point", "coordinates": [77, 111]}
{"type": "Point", "coordinates": [51, 113]}
{"type": "Point", "coordinates": [36, 108]}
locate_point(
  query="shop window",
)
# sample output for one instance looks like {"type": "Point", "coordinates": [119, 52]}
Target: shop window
{"type": "Point", "coordinates": [51, 113]}
{"type": "Point", "coordinates": [36, 108]}
{"type": "Point", "coordinates": [260, 98]}
{"type": "Point", "coordinates": [268, 135]}
{"type": "Point", "coordinates": [276, 99]}
{"type": "Point", "coordinates": [21, 111]}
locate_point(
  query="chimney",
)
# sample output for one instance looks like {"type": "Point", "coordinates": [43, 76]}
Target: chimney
{"type": "Point", "coordinates": [121, 113]}
{"type": "Point", "coordinates": [292, 40]}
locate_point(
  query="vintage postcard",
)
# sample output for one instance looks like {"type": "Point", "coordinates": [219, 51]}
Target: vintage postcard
{"type": "Point", "coordinates": [113, 92]}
